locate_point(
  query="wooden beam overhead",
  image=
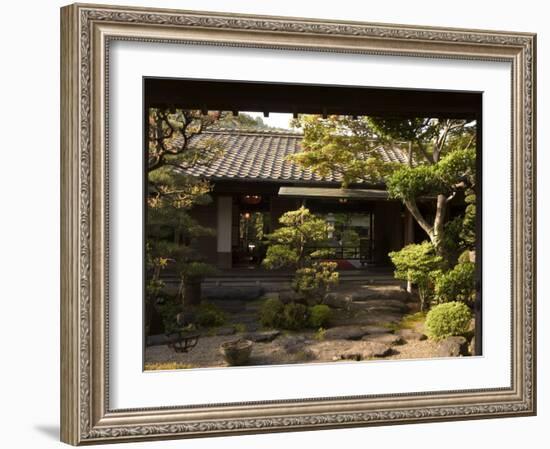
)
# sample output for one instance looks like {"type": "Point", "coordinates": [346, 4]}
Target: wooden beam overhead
{"type": "Point", "coordinates": [310, 98]}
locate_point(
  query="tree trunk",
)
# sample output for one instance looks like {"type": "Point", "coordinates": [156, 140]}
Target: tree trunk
{"type": "Point", "coordinates": [192, 292]}
{"type": "Point", "coordinates": [422, 222]}
{"type": "Point", "coordinates": [409, 286]}
{"type": "Point", "coordinates": [422, 297]}
{"type": "Point", "coordinates": [439, 224]}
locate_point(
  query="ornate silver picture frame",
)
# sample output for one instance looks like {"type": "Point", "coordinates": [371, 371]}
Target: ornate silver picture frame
{"type": "Point", "coordinates": [87, 31]}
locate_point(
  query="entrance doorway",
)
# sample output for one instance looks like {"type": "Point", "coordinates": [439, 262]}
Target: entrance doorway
{"type": "Point", "coordinates": [253, 226]}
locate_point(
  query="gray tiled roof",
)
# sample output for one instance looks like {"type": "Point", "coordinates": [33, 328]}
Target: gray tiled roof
{"type": "Point", "coordinates": [261, 156]}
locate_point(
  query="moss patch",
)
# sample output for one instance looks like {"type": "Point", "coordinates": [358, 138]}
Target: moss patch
{"type": "Point", "coordinates": [167, 366]}
{"type": "Point", "coordinates": [411, 321]}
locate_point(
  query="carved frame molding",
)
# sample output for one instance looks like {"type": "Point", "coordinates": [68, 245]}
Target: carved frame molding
{"type": "Point", "coordinates": [87, 31]}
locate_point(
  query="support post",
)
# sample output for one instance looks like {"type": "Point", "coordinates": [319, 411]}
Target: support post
{"type": "Point", "coordinates": [223, 231]}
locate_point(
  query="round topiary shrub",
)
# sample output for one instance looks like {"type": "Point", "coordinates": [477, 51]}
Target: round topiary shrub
{"type": "Point", "coordinates": [319, 316]}
{"type": "Point", "coordinates": [447, 320]}
{"type": "Point", "coordinates": [271, 313]}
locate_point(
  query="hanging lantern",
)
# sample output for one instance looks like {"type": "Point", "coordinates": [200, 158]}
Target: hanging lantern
{"type": "Point", "coordinates": [252, 199]}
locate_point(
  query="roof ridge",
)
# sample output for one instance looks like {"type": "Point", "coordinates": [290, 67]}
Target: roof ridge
{"type": "Point", "coordinates": [255, 131]}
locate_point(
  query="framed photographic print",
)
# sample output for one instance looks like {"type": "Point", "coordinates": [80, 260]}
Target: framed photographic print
{"type": "Point", "coordinates": [280, 224]}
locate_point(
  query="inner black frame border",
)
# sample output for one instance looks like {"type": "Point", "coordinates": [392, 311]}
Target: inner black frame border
{"type": "Point", "coordinates": [471, 108]}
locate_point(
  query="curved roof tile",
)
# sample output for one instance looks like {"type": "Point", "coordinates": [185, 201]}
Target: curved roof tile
{"type": "Point", "coordinates": [261, 155]}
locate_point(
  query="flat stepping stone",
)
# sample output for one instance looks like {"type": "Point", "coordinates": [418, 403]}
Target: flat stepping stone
{"type": "Point", "coordinates": [345, 333]}
{"type": "Point", "coordinates": [349, 350]}
{"type": "Point", "coordinates": [410, 335]}
{"type": "Point", "coordinates": [366, 307]}
{"type": "Point", "coordinates": [387, 303]}
{"type": "Point", "coordinates": [376, 318]}
{"type": "Point", "coordinates": [382, 310]}
{"type": "Point", "coordinates": [376, 330]}
{"type": "Point", "coordinates": [367, 350]}
{"type": "Point", "coordinates": [387, 339]}
{"type": "Point", "coordinates": [263, 336]}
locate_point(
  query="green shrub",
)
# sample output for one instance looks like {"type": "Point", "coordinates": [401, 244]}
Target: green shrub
{"type": "Point", "coordinates": [197, 271]}
{"type": "Point", "coordinates": [319, 316]}
{"type": "Point", "coordinates": [315, 280]}
{"type": "Point", "coordinates": [271, 313]}
{"type": "Point", "coordinates": [295, 316]}
{"type": "Point", "coordinates": [169, 310]}
{"type": "Point", "coordinates": [208, 315]}
{"type": "Point", "coordinates": [275, 314]}
{"type": "Point", "coordinates": [457, 284]}
{"type": "Point", "coordinates": [419, 264]}
{"type": "Point", "coordinates": [320, 334]}
{"type": "Point", "coordinates": [468, 234]}
{"type": "Point", "coordinates": [451, 241]}
{"type": "Point", "coordinates": [465, 256]}
{"type": "Point", "coordinates": [447, 320]}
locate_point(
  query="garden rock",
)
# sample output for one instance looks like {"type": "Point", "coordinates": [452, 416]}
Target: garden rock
{"type": "Point", "coordinates": [288, 296]}
{"type": "Point", "coordinates": [263, 336]}
{"type": "Point", "coordinates": [349, 350]}
{"type": "Point", "coordinates": [452, 347]}
{"type": "Point", "coordinates": [345, 333]}
{"type": "Point", "coordinates": [472, 346]}
{"type": "Point", "coordinates": [313, 300]}
{"type": "Point", "coordinates": [367, 350]}
{"type": "Point", "coordinates": [410, 335]}
{"type": "Point", "coordinates": [294, 344]}
{"type": "Point", "coordinates": [388, 339]}
{"type": "Point", "coordinates": [336, 300]}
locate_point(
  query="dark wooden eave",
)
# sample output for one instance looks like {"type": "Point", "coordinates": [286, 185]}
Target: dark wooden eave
{"type": "Point", "coordinates": [228, 95]}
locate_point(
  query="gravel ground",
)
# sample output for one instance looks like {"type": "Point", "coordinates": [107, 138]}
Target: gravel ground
{"type": "Point", "coordinates": [380, 307]}
{"type": "Point", "coordinates": [207, 352]}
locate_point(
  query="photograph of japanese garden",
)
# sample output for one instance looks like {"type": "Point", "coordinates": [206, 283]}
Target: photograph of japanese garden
{"type": "Point", "coordinates": [297, 224]}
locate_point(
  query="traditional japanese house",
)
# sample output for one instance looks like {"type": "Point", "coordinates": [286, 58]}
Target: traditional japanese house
{"type": "Point", "coordinates": [254, 183]}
